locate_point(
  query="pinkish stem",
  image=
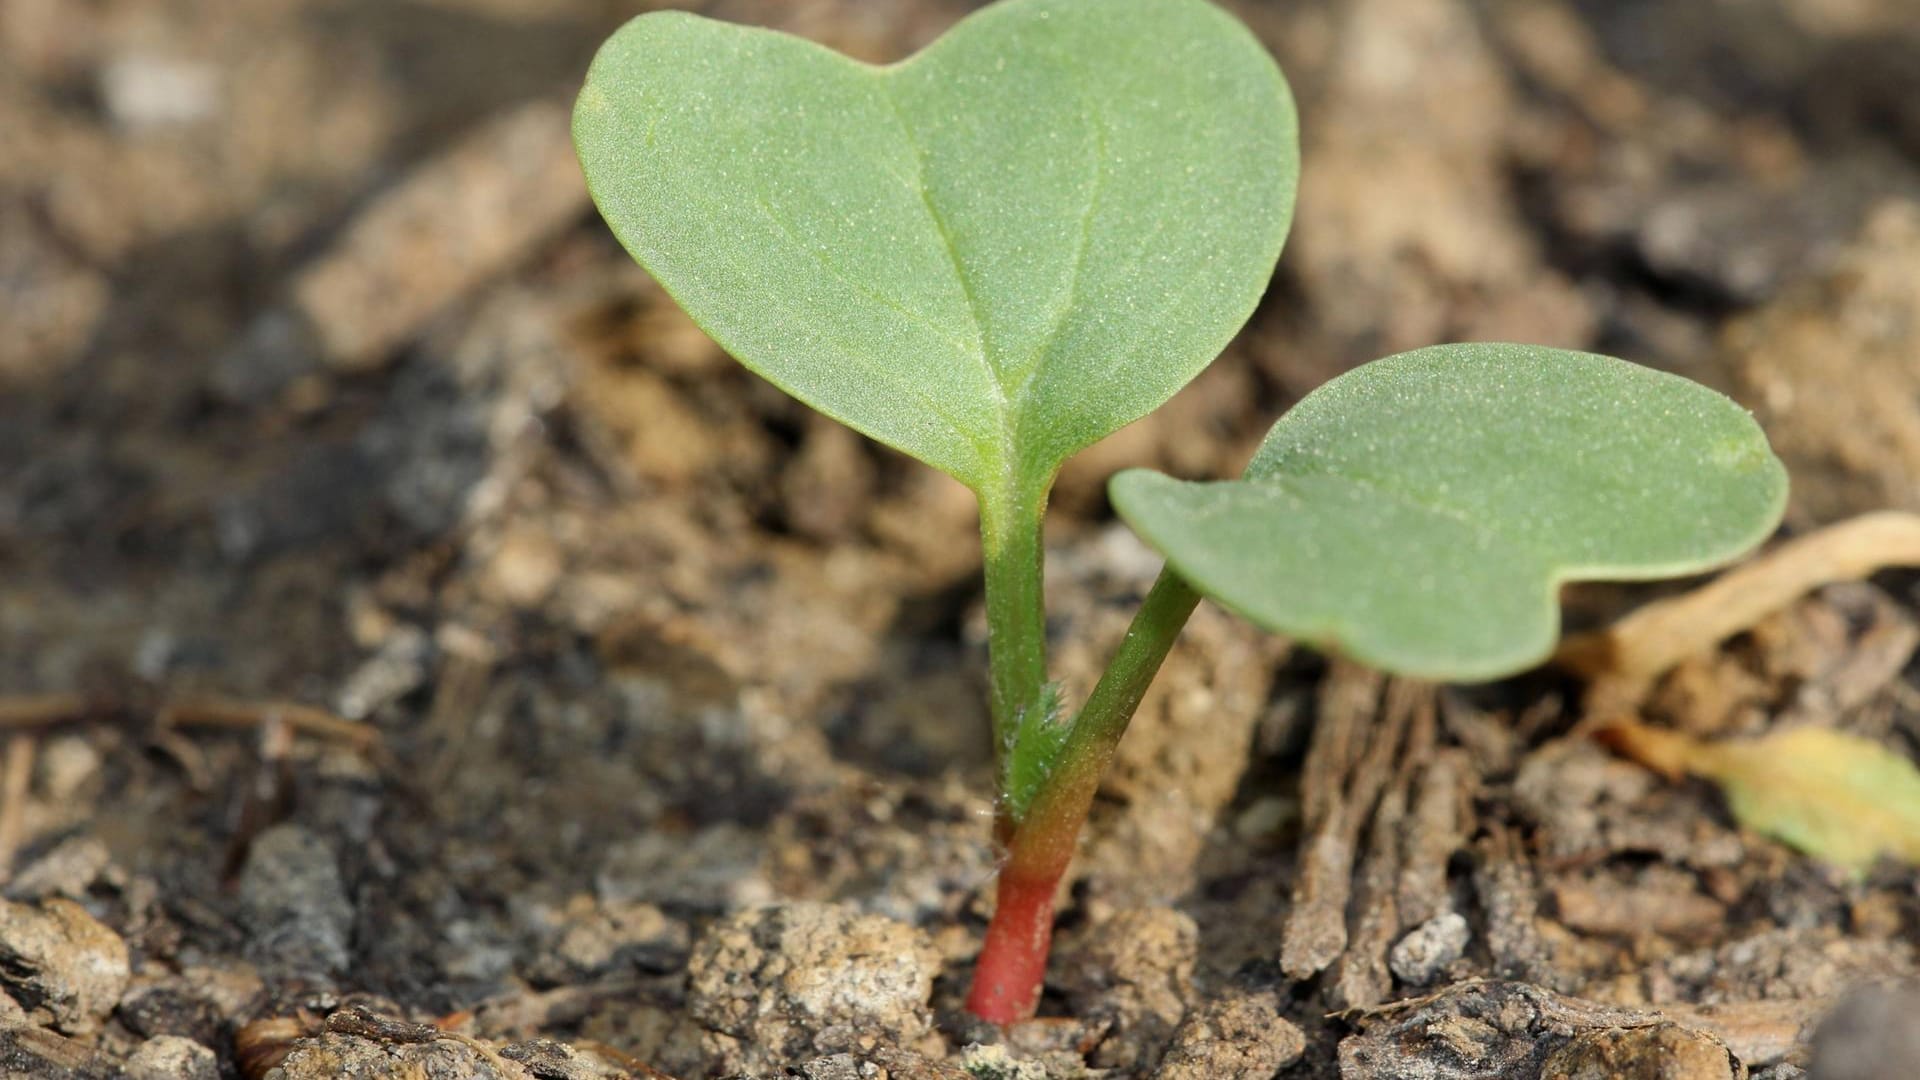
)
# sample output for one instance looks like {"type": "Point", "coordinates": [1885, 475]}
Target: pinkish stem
{"type": "Point", "coordinates": [1013, 962]}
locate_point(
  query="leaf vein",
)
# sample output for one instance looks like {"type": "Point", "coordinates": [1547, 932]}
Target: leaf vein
{"type": "Point", "coordinates": [941, 229]}
{"type": "Point", "coordinates": [1096, 189]}
{"type": "Point", "coordinates": [786, 228]}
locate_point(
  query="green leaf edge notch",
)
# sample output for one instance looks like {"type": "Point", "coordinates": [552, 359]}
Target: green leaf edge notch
{"type": "Point", "coordinates": [1686, 471]}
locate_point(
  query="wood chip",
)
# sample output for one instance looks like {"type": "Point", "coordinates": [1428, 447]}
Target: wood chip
{"type": "Point", "coordinates": [1343, 777]}
{"type": "Point", "coordinates": [1625, 658]}
{"type": "Point", "coordinates": [1436, 831]}
{"type": "Point", "coordinates": [1671, 906]}
{"type": "Point", "coordinates": [1361, 976]}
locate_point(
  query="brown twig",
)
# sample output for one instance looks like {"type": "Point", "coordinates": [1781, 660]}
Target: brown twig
{"type": "Point", "coordinates": [1634, 651]}
{"type": "Point", "coordinates": [15, 778]}
{"type": "Point", "coordinates": [43, 710]}
{"type": "Point", "coordinates": [305, 719]}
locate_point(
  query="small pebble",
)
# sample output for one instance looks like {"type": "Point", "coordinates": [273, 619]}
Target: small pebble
{"type": "Point", "coordinates": [596, 938]}
{"type": "Point", "coordinates": [784, 976]}
{"type": "Point", "coordinates": [525, 568]}
{"type": "Point", "coordinates": [1239, 1036]}
{"type": "Point", "coordinates": [64, 966]}
{"type": "Point", "coordinates": [1429, 949]}
{"type": "Point", "coordinates": [293, 902]}
{"type": "Point", "coordinates": [1663, 1051]}
{"type": "Point", "coordinates": [67, 763]}
{"type": "Point", "coordinates": [334, 1056]}
{"type": "Point", "coordinates": [396, 670]}
{"type": "Point", "coordinates": [143, 91]}
{"type": "Point", "coordinates": [995, 1062]}
{"type": "Point", "coordinates": [171, 1057]}
{"type": "Point", "coordinates": [68, 870]}
{"type": "Point", "coordinates": [1870, 1035]}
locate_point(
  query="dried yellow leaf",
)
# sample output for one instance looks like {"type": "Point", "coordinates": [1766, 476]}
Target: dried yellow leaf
{"type": "Point", "coordinates": [1842, 798]}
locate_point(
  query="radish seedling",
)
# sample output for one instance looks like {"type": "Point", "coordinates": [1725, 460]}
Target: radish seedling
{"type": "Point", "coordinates": [1034, 232]}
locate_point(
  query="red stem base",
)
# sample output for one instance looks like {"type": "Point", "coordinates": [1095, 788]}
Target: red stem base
{"type": "Point", "coordinates": [1013, 961]}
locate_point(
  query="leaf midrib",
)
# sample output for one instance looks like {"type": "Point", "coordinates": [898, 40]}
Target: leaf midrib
{"type": "Point", "coordinates": [1010, 406]}
{"type": "Point", "coordinates": [952, 251]}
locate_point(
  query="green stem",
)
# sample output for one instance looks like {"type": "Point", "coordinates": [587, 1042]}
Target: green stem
{"type": "Point", "coordinates": [1013, 959]}
{"type": "Point", "coordinates": [1010, 536]}
{"type": "Point", "coordinates": [1053, 823]}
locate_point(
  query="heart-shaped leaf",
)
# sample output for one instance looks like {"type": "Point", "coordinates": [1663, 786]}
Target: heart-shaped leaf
{"type": "Point", "coordinates": [1419, 512]}
{"type": "Point", "coordinates": [989, 255]}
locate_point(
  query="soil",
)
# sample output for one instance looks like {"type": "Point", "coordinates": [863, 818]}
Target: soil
{"type": "Point", "coordinates": [425, 654]}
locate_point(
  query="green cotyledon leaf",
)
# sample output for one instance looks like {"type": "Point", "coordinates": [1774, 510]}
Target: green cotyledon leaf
{"type": "Point", "coordinates": [1420, 512]}
{"type": "Point", "coordinates": [989, 255]}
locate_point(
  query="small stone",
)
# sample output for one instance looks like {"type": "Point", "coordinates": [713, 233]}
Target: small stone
{"type": "Point", "coordinates": [1870, 1035]}
{"type": "Point", "coordinates": [171, 1057]}
{"type": "Point", "coordinates": [1265, 819]}
{"type": "Point", "coordinates": [524, 568]}
{"type": "Point", "coordinates": [1428, 949]}
{"type": "Point", "coordinates": [550, 1060]}
{"type": "Point", "coordinates": [67, 764]}
{"type": "Point", "coordinates": [840, 1067]}
{"type": "Point", "coordinates": [795, 979]}
{"type": "Point", "coordinates": [143, 91]}
{"type": "Point", "coordinates": [1239, 1036]}
{"type": "Point", "coordinates": [599, 937]}
{"type": "Point", "coordinates": [1664, 1051]}
{"type": "Point", "coordinates": [996, 1062]}
{"type": "Point", "coordinates": [396, 670]}
{"type": "Point", "coordinates": [336, 1056]}
{"type": "Point", "coordinates": [827, 487]}
{"type": "Point", "coordinates": [68, 870]}
{"type": "Point", "coordinates": [170, 1009]}
{"type": "Point", "coordinates": [63, 966]}
{"type": "Point", "coordinates": [293, 902]}
{"type": "Point", "coordinates": [475, 950]}
{"type": "Point", "coordinates": [879, 1065]}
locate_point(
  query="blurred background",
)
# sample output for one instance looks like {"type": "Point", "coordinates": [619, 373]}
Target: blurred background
{"type": "Point", "coordinates": [395, 587]}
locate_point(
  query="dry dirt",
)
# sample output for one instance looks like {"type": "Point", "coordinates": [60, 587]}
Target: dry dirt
{"type": "Point", "coordinates": [423, 654]}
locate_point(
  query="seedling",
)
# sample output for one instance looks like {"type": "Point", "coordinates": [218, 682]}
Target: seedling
{"type": "Point", "coordinates": [1034, 232]}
